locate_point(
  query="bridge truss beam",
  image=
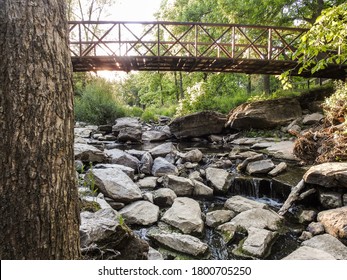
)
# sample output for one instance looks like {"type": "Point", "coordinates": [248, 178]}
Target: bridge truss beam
{"type": "Point", "coordinates": [189, 47]}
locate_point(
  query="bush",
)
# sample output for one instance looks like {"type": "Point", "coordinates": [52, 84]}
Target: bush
{"type": "Point", "coordinates": [97, 104]}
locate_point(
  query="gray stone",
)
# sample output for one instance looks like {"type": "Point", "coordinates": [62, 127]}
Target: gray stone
{"type": "Point", "coordinates": [282, 150]}
{"type": "Point", "coordinates": [307, 216]}
{"type": "Point", "coordinates": [240, 204]}
{"type": "Point", "coordinates": [227, 231]}
{"type": "Point", "coordinates": [126, 122]}
{"type": "Point", "coordinates": [312, 118]}
{"type": "Point", "coordinates": [146, 163]}
{"type": "Point", "coordinates": [154, 255]}
{"type": "Point", "coordinates": [148, 196]}
{"type": "Point", "coordinates": [162, 167]}
{"type": "Point", "coordinates": [279, 168]}
{"type": "Point", "coordinates": [163, 149]}
{"type": "Point", "coordinates": [182, 243]}
{"type": "Point", "coordinates": [185, 214]}
{"type": "Point", "coordinates": [218, 217]}
{"type": "Point", "coordinates": [259, 218]}
{"type": "Point", "coordinates": [201, 190]}
{"type": "Point", "coordinates": [140, 213]}
{"type": "Point", "coordinates": [334, 221]}
{"type": "Point", "coordinates": [114, 183]}
{"type": "Point", "coordinates": [329, 244]}
{"type": "Point", "coordinates": [344, 199]}
{"type": "Point", "coordinates": [261, 114]}
{"type": "Point", "coordinates": [154, 136]}
{"type": "Point", "coordinates": [308, 253]}
{"type": "Point", "coordinates": [164, 197]}
{"type": "Point", "coordinates": [181, 186]}
{"type": "Point", "coordinates": [123, 158]}
{"type": "Point", "coordinates": [330, 174]}
{"type": "Point", "coordinates": [191, 156]}
{"type": "Point", "coordinates": [98, 226]}
{"type": "Point", "coordinates": [127, 170]}
{"type": "Point", "coordinates": [84, 132]}
{"type": "Point", "coordinates": [305, 235]}
{"type": "Point", "coordinates": [315, 228]}
{"type": "Point", "coordinates": [195, 175]}
{"type": "Point", "coordinates": [198, 124]}
{"type": "Point", "coordinates": [130, 134]}
{"type": "Point", "coordinates": [260, 167]}
{"type": "Point", "coordinates": [219, 179]}
{"type": "Point", "coordinates": [259, 242]}
{"type": "Point", "coordinates": [88, 153]}
{"type": "Point", "coordinates": [330, 200]}
{"type": "Point", "coordinates": [148, 182]}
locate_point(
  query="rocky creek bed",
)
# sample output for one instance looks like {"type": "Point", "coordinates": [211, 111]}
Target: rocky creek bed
{"type": "Point", "coordinates": [150, 193]}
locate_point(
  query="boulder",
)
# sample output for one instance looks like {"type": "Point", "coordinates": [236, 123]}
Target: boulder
{"type": "Point", "coordinates": [283, 150]}
{"type": "Point", "coordinates": [279, 168]}
{"type": "Point", "coordinates": [312, 118]}
{"type": "Point", "coordinates": [198, 124]}
{"type": "Point", "coordinates": [140, 213]}
{"type": "Point", "coordinates": [181, 242]}
{"type": "Point", "coordinates": [260, 167]}
{"type": "Point", "coordinates": [330, 200]}
{"type": "Point", "coordinates": [163, 149]}
{"type": "Point", "coordinates": [227, 231]}
{"type": "Point", "coordinates": [219, 179]}
{"type": "Point", "coordinates": [329, 244]}
{"type": "Point", "coordinates": [334, 221]}
{"type": "Point", "coordinates": [316, 228]}
{"type": "Point", "coordinates": [218, 217]}
{"type": "Point", "coordinates": [201, 190]}
{"type": "Point", "coordinates": [104, 237]}
{"type": "Point", "coordinates": [85, 132]}
{"type": "Point", "coordinates": [127, 122]}
{"type": "Point", "coordinates": [127, 170]}
{"type": "Point", "coordinates": [162, 167]}
{"type": "Point", "coordinates": [240, 204]}
{"type": "Point", "coordinates": [264, 114]}
{"type": "Point", "coordinates": [87, 153]}
{"type": "Point", "coordinates": [148, 182]}
{"type": "Point", "coordinates": [258, 218]}
{"type": "Point", "coordinates": [164, 197]}
{"type": "Point", "coordinates": [330, 174]}
{"type": "Point", "coordinates": [146, 163]}
{"type": "Point", "coordinates": [185, 214]}
{"type": "Point", "coordinates": [115, 184]}
{"type": "Point", "coordinates": [130, 134]}
{"type": "Point", "coordinates": [191, 156]}
{"type": "Point", "coordinates": [154, 136]}
{"type": "Point", "coordinates": [258, 242]}
{"type": "Point", "coordinates": [181, 186]}
{"type": "Point", "coordinates": [309, 253]}
{"type": "Point", "coordinates": [123, 158]}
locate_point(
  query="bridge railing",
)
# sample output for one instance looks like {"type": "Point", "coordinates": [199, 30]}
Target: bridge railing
{"type": "Point", "coordinates": [171, 39]}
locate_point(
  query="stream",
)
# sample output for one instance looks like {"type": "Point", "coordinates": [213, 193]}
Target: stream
{"type": "Point", "coordinates": [271, 191]}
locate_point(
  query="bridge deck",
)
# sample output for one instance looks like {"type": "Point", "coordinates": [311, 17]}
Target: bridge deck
{"type": "Point", "coordinates": [155, 46]}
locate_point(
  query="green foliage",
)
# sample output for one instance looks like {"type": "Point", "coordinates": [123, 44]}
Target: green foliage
{"type": "Point", "coordinates": [335, 107]}
{"type": "Point", "coordinates": [98, 104]}
{"type": "Point", "coordinates": [328, 35]}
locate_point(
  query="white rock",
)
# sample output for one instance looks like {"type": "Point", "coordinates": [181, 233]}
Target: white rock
{"type": "Point", "coordinates": [140, 213]}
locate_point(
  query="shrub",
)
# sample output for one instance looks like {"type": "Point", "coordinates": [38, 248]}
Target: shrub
{"type": "Point", "coordinates": [97, 104]}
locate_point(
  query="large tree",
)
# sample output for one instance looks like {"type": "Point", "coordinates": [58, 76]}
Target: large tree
{"type": "Point", "coordinates": [38, 195]}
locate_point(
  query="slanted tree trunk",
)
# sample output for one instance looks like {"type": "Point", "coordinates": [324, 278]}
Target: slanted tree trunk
{"type": "Point", "coordinates": [38, 195]}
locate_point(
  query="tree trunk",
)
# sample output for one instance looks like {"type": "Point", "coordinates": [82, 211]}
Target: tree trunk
{"type": "Point", "coordinates": [266, 84]}
{"type": "Point", "coordinates": [38, 195]}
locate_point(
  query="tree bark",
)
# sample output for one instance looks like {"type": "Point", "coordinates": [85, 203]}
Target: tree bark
{"type": "Point", "coordinates": [38, 194]}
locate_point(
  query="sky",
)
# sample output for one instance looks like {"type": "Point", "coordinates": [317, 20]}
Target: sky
{"type": "Point", "coordinates": [134, 10]}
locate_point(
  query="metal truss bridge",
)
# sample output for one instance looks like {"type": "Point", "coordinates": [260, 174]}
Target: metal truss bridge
{"type": "Point", "coordinates": [189, 47]}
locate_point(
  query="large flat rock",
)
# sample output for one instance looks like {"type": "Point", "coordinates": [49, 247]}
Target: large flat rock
{"type": "Point", "coordinates": [330, 174]}
{"type": "Point", "coordinates": [198, 124]}
{"type": "Point", "coordinates": [185, 214]}
{"type": "Point", "coordinates": [309, 253]}
{"type": "Point", "coordinates": [140, 213]}
{"type": "Point", "coordinates": [264, 114]}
